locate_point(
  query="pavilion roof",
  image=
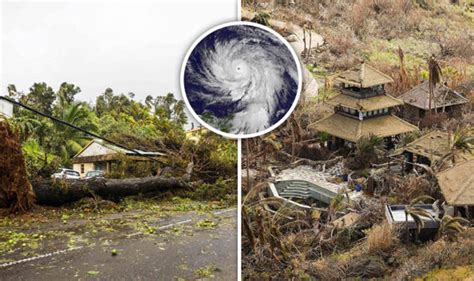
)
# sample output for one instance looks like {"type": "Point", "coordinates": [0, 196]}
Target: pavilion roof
{"type": "Point", "coordinates": [352, 129]}
{"type": "Point", "coordinates": [443, 96]}
{"type": "Point", "coordinates": [365, 104]}
{"type": "Point", "coordinates": [457, 184]}
{"type": "Point", "coordinates": [364, 76]}
{"type": "Point", "coordinates": [433, 145]}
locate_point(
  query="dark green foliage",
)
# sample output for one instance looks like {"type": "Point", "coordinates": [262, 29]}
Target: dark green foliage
{"type": "Point", "coordinates": [368, 150]}
{"type": "Point", "coordinates": [156, 125]}
{"type": "Point", "coordinates": [221, 189]}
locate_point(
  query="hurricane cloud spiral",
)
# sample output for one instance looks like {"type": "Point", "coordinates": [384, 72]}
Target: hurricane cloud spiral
{"type": "Point", "coordinates": [241, 79]}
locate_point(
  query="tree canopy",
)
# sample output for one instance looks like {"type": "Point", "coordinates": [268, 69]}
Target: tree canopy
{"type": "Point", "coordinates": [157, 124]}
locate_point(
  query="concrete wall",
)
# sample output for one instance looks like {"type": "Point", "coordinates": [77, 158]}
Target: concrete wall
{"type": "Point", "coordinates": [87, 167]}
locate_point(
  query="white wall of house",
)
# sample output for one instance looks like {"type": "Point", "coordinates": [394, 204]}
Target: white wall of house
{"type": "Point", "coordinates": [83, 168]}
{"type": "Point", "coordinates": [6, 109]}
{"type": "Point", "coordinates": [96, 149]}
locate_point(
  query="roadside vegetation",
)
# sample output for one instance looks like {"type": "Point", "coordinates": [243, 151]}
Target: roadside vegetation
{"type": "Point", "coordinates": [33, 147]}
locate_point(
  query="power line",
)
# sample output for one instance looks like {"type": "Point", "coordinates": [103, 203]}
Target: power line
{"type": "Point", "coordinates": [77, 128]}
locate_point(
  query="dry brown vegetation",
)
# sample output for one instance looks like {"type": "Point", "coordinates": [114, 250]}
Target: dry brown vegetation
{"type": "Point", "coordinates": [380, 238]}
{"type": "Point", "coordinates": [397, 37]}
{"type": "Point", "coordinates": [374, 30]}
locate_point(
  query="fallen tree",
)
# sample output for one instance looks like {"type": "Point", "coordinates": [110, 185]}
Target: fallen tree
{"type": "Point", "coordinates": [18, 194]}
{"type": "Point", "coordinates": [55, 192]}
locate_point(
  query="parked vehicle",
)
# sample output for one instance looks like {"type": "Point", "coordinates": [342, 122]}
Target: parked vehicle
{"type": "Point", "coordinates": [94, 174]}
{"type": "Point", "coordinates": [64, 173]}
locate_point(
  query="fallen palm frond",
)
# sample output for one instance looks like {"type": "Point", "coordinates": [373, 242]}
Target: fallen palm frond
{"type": "Point", "coordinates": [450, 226]}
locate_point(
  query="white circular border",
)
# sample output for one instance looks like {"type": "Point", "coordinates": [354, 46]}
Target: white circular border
{"type": "Point", "coordinates": [244, 136]}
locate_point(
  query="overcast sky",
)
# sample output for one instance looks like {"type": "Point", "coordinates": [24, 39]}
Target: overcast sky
{"type": "Point", "coordinates": [129, 46]}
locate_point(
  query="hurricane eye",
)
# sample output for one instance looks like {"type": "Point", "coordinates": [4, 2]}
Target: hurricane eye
{"type": "Point", "coordinates": [245, 78]}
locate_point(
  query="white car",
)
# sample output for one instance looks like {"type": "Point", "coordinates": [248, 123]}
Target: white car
{"type": "Point", "coordinates": [66, 174]}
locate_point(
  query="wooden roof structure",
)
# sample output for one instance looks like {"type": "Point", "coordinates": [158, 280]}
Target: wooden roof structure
{"type": "Point", "coordinates": [434, 145]}
{"type": "Point", "coordinates": [364, 76]}
{"type": "Point", "coordinates": [364, 104]}
{"type": "Point", "coordinates": [457, 184]}
{"type": "Point", "coordinates": [352, 129]}
{"type": "Point", "coordinates": [443, 96]}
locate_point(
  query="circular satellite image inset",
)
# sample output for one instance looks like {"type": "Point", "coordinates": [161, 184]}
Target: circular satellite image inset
{"type": "Point", "coordinates": [241, 79]}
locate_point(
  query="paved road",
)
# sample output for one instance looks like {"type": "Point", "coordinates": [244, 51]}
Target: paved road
{"type": "Point", "coordinates": [177, 250]}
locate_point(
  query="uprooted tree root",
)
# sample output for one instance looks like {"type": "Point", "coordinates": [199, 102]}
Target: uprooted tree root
{"type": "Point", "coordinates": [16, 192]}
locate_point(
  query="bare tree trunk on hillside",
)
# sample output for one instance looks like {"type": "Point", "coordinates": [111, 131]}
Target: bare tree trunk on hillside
{"type": "Point", "coordinates": [310, 41]}
{"type": "Point", "coordinates": [304, 41]}
{"type": "Point", "coordinates": [435, 76]}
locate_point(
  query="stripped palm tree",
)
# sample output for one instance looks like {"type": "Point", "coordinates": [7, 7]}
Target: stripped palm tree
{"type": "Point", "coordinates": [309, 27]}
{"type": "Point", "coordinates": [416, 213]}
{"type": "Point", "coordinates": [403, 82]}
{"type": "Point", "coordinates": [450, 225]}
{"type": "Point", "coordinates": [435, 76]}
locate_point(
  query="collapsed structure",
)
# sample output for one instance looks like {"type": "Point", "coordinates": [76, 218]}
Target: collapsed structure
{"type": "Point", "coordinates": [430, 148]}
{"type": "Point", "coordinates": [457, 186]}
{"type": "Point", "coordinates": [362, 108]}
{"type": "Point", "coordinates": [417, 101]}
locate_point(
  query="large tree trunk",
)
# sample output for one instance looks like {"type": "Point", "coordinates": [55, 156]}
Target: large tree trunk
{"type": "Point", "coordinates": [57, 192]}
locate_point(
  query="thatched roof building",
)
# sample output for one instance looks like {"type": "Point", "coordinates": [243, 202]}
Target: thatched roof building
{"type": "Point", "coordinates": [367, 104]}
{"type": "Point", "coordinates": [417, 101]}
{"type": "Point", "coordinates": [352, 130]}
{"type": "Point", "coordinates": [363, 107]}
{"type": "Point", "coordinates": [443, 97]}
{"type": "Point", "coordinates": [457, 184]}
{"type": "Point", "coordinates": [364, 76]}
{"type": "Point", "coordinates": [433, 146]}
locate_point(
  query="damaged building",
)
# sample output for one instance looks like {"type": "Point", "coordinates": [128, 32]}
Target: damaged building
{"type": "Point", "coordinates": [362, 108]}
{"type": "Point", "coordinates": [417, 102]}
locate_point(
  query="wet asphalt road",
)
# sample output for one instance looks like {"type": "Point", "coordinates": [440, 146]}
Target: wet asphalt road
{"type": "Point", "coordinates": [179, 250]}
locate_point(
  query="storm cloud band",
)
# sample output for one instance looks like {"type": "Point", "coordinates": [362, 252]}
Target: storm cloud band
{"type": "Point", "coordinates": [241, 79]}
